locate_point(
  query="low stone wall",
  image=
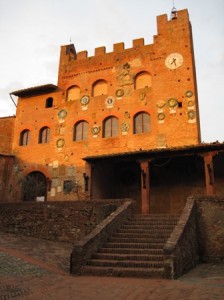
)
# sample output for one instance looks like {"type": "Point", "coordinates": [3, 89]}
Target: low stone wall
{"type": "Point", "coordinates": [181, 252]}
{"type": "Point", "coordinates": [210, 217]}
{"type": "Point", "coordinates": [60, 221]}
{"type": "Point", "coordinates": [84, 249]}
{"type": "Point", "coordinates": [199, 235]}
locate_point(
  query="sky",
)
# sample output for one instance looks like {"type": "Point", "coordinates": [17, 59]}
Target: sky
{"type": "Point", "coordinates": [31, 33]}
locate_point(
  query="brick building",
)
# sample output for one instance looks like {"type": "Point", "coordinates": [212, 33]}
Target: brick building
{"type": "Point", "coordinates": [119, 124]}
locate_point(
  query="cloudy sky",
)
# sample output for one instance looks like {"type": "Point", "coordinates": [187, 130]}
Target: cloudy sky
{"type": "Point", "coordinates": [31, 33]}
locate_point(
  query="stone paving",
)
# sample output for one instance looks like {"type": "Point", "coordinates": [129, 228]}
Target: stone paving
{"type": "Point", "coordinates": [39, 269]}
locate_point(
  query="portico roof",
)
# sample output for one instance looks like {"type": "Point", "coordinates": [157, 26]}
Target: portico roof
{"type": "Point", "coordinates": [159, 152]}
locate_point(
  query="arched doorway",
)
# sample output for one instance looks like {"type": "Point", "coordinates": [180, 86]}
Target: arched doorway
{"type": "Point", "coordinates": [34, 187]}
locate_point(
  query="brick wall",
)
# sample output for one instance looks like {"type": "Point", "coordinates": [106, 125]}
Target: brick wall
{"type": "Point", "coordinates": [61, 221]}
{"type": "Point", "coordinates": [210, 216]}
{"type": "Point", "coordinates": [6, 134]}
{"type": "Point", "coordinates": [119, 69]}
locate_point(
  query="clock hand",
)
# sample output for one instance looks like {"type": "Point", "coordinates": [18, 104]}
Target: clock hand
{"type": "Point", "coordinates": [174, 61]}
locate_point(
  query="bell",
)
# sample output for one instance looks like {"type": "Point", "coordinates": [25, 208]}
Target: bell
{"type": "Point", "coordinates": [173, 13]}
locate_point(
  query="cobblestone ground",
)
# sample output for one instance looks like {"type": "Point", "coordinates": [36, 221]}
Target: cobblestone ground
{"type": "Point", "coordinates": [38, 269]}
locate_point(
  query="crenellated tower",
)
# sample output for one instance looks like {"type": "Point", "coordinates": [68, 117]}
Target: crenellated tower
{"type": "Point", "coordinates": [158, 78]}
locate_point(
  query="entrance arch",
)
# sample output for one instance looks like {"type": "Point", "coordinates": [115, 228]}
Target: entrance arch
{"type": "Point", "coordinates": [35, 187]}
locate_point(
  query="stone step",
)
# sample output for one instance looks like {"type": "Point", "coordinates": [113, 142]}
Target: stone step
{"type": "Point", "coordinates": [138, 240]}
{"type": "Point", "coordinates": [135, 250]}
{"type": "Point", "coordinates": [123, 272]}
{"type": "Point", "coordinates": [131, 251]}
{"type": "Point", "coordinates": [129, 257]}
{"type": "Point", "coordinates": [148, 227]}
{"type": "Point", "coordinates": [150, 222]}
{"type": "Point", "coordinates": [135, 245]}
{"type": "Point", "coordinates": [145, 231]}
{"type": "Point", "coordinates": [125, 263]}
{"type": "Point", "coordinates": [141, 235]}
{"type": "Point", "coordinates": [155, 216]}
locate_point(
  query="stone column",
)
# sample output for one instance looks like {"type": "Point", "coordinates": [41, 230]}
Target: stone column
{"type": "Point", "coordinates": [144, 165]}
{"type": "Point", "coordinates": [209, 173]}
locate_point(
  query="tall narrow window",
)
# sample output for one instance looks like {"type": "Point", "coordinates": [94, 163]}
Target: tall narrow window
{"type": "Point", "coordinates": [44, 135]}
{"type": "Point", "coordinates": [24, 137]}
{"type": "Point", "coordinates": [143, 80]}
{"type": "Point", "coordinates": [73, 93]}
{"type": "Point", "coordinates": [49, 102]}
{"type": "Point", "coordinates": [81, 131]}
{"type": "Point", "coordinates": [110, 127]}
{"type": "Point", "coordinates": [141, 123]}
{"type": "Point", "coordinates": [100, 87]}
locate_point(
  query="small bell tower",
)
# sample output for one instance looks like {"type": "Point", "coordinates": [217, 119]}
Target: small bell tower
{"type": "Point", "coordinates": [173, 15]}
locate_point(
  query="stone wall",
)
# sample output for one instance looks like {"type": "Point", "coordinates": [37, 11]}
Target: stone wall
{"type": "Point", "coordinates": [210, 217]}
{"type": "Point", "coordinates": [181, 252]}
{"type": "Point", "coordinates": [198, 236]}
{"type": "Point", "coordinates": [6, 178]}
{"type": "Point", "coordinates": [61, 221]}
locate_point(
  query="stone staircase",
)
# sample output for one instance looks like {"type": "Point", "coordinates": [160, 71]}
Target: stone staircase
{"type": "Point", "coordinates": [136, 250]}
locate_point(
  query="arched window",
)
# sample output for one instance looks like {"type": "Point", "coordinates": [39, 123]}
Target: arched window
{"type": "Point", "coordinates": [141, 123]}
{"type": "Point", "coordinates": [110, 127]}
{"type": "Point", "coordinates": [143, 80]}
{"type": "Point", "coordinates": [73, 93]}
{"type": "Point", "coordinates": [44, 135]}
{"type": "Point", "coordinates": [49, 102]}
{"type": "Point", "coordinates": [81, 131]}
{"type": "Point", "coordinates": [100, 87]}
{"type": "Point", "coordinates": [24, 137]}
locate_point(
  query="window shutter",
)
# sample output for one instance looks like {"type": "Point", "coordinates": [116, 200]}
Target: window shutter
{"type": "Point", "coordinates": [85, 131]}
{"type": "Point", "coordinates": [26, 137]}
{"type": "Point", "coordinates": [78, 132]}
{"type": "Point", "coordinates": [107, 128]}
{"type": "Point", "coordinates": [114, 127]}
{"type": "Point", "coordinates": [146, 122]}
{"type": "Point", "coordinates": [47, 138]}
{"type": "Point", "coordinates": [44, 136]}
{"type": "Point", "coordinates": [141, 123]}
{"type": "Point", "coordinates": [110, 127]}
{"type": "Point", "coordinates": [81, 131]}
{"type": "Point", "coordinates": [138, 124]}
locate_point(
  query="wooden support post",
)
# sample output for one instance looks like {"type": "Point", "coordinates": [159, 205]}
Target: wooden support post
{"type": "Point", "coordinates": [209, 173]}
{"type": "Point", "coordinates": [144, 165]}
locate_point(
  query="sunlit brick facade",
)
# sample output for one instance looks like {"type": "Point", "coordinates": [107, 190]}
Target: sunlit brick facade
{"type": "Point", "coordinates": [127, 101]}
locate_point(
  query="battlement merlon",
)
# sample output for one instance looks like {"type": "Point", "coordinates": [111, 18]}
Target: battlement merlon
{"type": "Point", "coordinates": [163, 22]}
{"type": "Point", "coordinates": [68, 52]}
{"type": "Point", "coordinates": [69, 55]}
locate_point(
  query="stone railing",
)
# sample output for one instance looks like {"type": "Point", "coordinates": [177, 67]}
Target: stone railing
{"type": "Point", "coordinates": [181, 252]}
{"type": "Point", "coordinates": [210, 220]}
{"type": "Point", "coordinates": [84, 249]}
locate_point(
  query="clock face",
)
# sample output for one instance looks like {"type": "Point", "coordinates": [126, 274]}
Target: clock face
{"type": "Point", "coordinates": [174, 61]}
